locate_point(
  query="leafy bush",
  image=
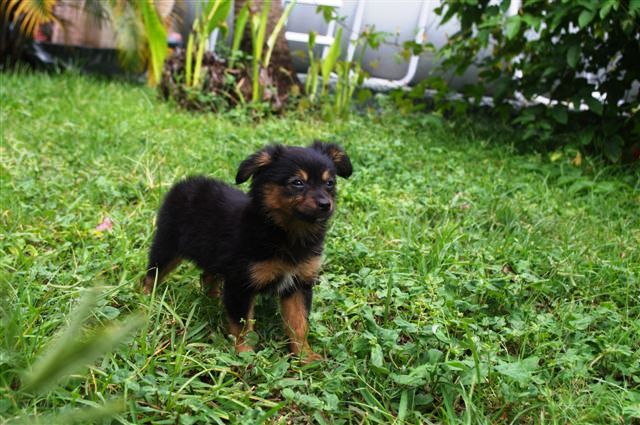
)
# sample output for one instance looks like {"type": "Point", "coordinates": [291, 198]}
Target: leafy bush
{"type": "Point", "coordinates": [562, 50]}
{"type": "Point", "coordinates": [205, 81]}
{"type": "Point", "coordinates": [219, 87]}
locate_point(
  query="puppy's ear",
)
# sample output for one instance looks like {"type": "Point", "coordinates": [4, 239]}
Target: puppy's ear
{"type": "Point", "coordinates": [337, 155]}
{"type": "Point", "coordinates": [255, 162]}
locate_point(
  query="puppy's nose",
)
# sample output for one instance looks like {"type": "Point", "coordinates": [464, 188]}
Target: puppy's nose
{"type": "Point", "coordinates": [324, 204]}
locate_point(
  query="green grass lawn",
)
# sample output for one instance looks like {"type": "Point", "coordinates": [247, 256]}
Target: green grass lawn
{"type": "Point", "coordinates": [463, 281]}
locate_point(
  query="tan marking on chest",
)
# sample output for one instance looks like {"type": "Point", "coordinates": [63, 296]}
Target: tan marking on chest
{"type": "Point", "coordinates": [264, 273]}
{"type": "Point", "coordinates": [309, 269]}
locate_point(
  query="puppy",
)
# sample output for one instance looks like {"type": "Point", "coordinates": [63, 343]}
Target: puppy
{"type": "Point", "coordinates": [269, 240]}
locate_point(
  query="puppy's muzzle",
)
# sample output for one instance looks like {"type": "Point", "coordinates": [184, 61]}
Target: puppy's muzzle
{"type": "Point", "coordinates": [320, 209]}
{"type": "Point", "coordinates": [323, 204]}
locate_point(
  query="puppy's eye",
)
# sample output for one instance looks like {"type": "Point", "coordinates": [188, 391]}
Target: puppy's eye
{"type": "Point", "coordinates": [297, 183]}
{"type": "Point", "coordinates": [330, 183]}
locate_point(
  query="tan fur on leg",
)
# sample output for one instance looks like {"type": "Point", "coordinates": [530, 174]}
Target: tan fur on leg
{"type": "Point", "coordinates": [240, 331]}
{"type": "Point", "coordinates": [296, 326]}
{"type": "Point", "coordinates": [211, 285]}
{"type": "Point", "coordinates": [150, 281]}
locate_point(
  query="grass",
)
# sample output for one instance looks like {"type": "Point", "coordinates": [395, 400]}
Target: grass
{"type": "Point", "coordinates": [463, 283]}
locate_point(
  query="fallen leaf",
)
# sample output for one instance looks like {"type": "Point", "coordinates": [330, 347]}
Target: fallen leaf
{"type": "Point", "coordinates": [577, 161]}
{"type": "Point", "coordinates": [106, 224]}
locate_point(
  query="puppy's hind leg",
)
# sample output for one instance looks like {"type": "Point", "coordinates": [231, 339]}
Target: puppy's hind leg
{"type": "Point", "coordinates": [239, 305]}
{"type": "Point", "coordinates": [211, 284]}
{"type": "Point", "coordinates": [163, 258]}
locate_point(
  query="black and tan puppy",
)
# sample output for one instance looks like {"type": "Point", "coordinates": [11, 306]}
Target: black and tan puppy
{"type": "Point", "coordinates": [269, 240]}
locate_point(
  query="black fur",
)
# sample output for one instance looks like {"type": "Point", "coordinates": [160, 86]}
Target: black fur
{"type": "Point", "coordinates": [227, 233]}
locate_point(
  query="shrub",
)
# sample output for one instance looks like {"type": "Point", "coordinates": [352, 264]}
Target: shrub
{"type": "Point", "coordinates": [205, 81]}
{"type": "Point", "coordinates": [562, 50]}
{"type": "Point", "coordinates": [220, 86]}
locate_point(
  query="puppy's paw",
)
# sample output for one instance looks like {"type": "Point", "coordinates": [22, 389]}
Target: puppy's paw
{"type": "Point", "coordinates": [214, 291]}
{"type": "Point", "coordinates": [307, 357]}
{"type": "Point", "coordinates": [147, 285]}
{"type": "Point", "coordinates": [243, 348]}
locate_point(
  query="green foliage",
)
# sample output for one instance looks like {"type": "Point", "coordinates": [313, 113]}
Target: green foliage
{"type": "Point", "coordinates": [328, 64]}
{"type": "Point", "coordinates": [156, 39]}
{"type": "Point", "coordinates": [259, 61]}
{"type": "Point", "coordinates": [214, 15]}
{"type": "Point", "coordinates": [271, 42]}
{"type": "Point", "coordinates": [201, 80]}
{"type": "Point", "coordinates": [554, 46]}
{"type": "Point", "coordinates": [350, 76]}
{"type": "Point", "coordinates": [129, 31]}
{"type": "Point", "coordinates": [349, 73]}
{"type": "Point", "coordinates": [258, 25]}
{"type": "Point", "coordinates": [141, 34]}
{"type": "Point", "coordinates": [188, 65]}
{"type": "Point", "coordinates": [68, 353]}
{"type": "Point", "coordinates": [311, 84]}
{"type": "Point", "coordinates": [241, 23]}
{"type": "Point", "coordinates": [72, 350]}
{"type": "Point", "coordinates": [463, 282]}
{"type": "Point", "coordinates": [229, 85]}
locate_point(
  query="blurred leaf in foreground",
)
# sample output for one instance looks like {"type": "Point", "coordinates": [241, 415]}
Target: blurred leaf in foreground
{"type": "Point", "coordinates": [75, 348]}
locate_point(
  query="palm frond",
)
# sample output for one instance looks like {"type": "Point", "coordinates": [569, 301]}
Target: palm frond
{"type": "Point", "coordinates": [131, 41]}
{"type": "Point", "coordinates": [31, 13]}
{"type": "Point", "coordinates": [156, 38]}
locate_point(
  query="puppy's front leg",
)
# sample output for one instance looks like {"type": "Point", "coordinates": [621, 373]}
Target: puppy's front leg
{"type": "Point", "coordinates": [239, 305]}
{"type": "Point", "coordinates": [295, 309]}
